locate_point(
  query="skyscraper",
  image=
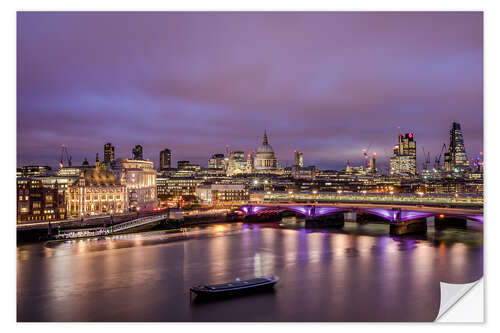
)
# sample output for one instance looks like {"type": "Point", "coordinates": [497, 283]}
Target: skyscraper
{"type": "Point", "coordinates": [109, 153]}
{"type": "Point", "coordinates": [456, 157]}
{"type": "Point", "coordinates": [137, 152]}
{"type": "Point", "coordinates": [299, 158]}
{"type": "Point", "coordinates": [236, 163]}
{"type": "Point", "coordinates": [216, 161]}
{"type": "Point", "coordinates": [372, 166]}
{"type": "Point", "coordinates": [165, 159]}
{"type": "Point", "coordinates": [404, 160]}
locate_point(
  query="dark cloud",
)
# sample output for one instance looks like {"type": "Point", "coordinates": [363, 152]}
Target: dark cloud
{"type": "Point", "coordinates": [328, 84]}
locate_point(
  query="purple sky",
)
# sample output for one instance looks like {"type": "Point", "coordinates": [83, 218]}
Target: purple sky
{"type": "Point", "coordinates": [328, 84]}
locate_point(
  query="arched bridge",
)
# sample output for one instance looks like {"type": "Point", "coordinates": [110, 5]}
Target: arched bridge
{"type": "Point", "coordinates": [389, 213]}
{"type": "Point", "coordinates": [399, 217]}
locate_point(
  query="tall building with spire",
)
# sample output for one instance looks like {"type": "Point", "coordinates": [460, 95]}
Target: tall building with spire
{"type": "Point", "coordinates": [264, 159]}
{"type": "Point", "coordinates": [456, 157]}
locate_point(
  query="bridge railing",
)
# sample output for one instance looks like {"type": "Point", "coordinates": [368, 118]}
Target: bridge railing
{"type": "Point", "coordinates": [473, 200]}
{"type": "Point", "coordinates": [139, 222]}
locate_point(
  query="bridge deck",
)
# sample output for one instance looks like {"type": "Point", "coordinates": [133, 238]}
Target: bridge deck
{"type": "Point", "coordinates": [101, 231]}
{"type": "Point", "coordinates": [389, 212]}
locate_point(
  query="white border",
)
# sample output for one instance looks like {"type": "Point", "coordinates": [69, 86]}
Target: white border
{"type": "Point", "coordinates": [8, 89]}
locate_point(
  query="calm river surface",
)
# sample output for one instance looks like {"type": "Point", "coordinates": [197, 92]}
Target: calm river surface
{"type": "Point", "coordinates": [357, 273]}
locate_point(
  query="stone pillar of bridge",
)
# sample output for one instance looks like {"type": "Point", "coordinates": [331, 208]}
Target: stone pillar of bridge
{"type": "Point", "coordinates": [443, 222]}
{"type": "Point", "coordinates": [350, 216]}
{"type": "Point", "coordinates": [415, 226]}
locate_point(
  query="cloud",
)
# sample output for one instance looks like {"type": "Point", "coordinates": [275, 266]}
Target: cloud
{"type": "Point", "coordinates": [326, 83]}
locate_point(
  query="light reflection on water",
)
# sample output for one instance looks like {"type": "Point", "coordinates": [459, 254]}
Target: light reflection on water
{"type": "Point", "coordinates": [358, 273]}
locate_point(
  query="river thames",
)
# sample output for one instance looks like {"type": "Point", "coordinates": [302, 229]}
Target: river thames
{"type": "Point", "coordinates": [357, 273]}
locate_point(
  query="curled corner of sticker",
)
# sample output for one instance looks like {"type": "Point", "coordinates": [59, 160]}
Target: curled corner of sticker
{"type": "Point", "coordinates": [452, 293]}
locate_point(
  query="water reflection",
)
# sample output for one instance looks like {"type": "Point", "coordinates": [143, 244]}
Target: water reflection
{"type": "Point", "coordinates": [352, 274]}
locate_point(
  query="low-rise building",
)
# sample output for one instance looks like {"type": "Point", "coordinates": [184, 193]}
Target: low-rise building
{"type": "Point", "coordinates": [37, 203]}
{"type": "Point", "coordinates": [299, 172]}
{"type": "Point", "coordinates": [35, 170]}
{"type": "Point", "coordinates": [173, 188]}
{"type": "Point", "coordinates": [216, 193]}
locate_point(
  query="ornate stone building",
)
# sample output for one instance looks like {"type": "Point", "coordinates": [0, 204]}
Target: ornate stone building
{"type": "Point", "coordinates": [264, 159]}
{"type": "Point", "coordinates": [139, 177]}
{"type": "Point", "coordinates": [96, 192]}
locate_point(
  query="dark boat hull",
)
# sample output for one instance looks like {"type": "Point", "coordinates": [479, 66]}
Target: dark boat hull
{"type": "Point", "coordinates": [206, 292]}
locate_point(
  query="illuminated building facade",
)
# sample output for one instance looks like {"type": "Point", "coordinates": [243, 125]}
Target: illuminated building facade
{"type": "Point", "coordinates": [299, 158]}
{"type": "Point", "coordinates": [165, 159]}
{"type": "Point", "coordinates": [250, 164]}
{"type": "Point", "coordinates": [109, 153]}
{"type": "Point", "coordinates": [217, 162]}
{"type": "Point", "coordinates": [35, 170]}
{"type": "Point", "coordinates": [176, 187]}
{"type": "Point", "coordinates": [303, 172]}
{"type": "Point", "coordinates": [187, 170]}
{"type": "Point", "coordinates": [96, 192]}
{"type": "Point", "coordinates": [37, 202]}
{"type": "Point", "coordinates": [70, 171]}
{"type": "Point", "coordinates": [456, 157]}
{"type": "Point", "coordinates": [404, 161]}
{"type": "Point", "coordinates": [222, 193]}
{"type": "Point", "coordinates": [182, 164]}
{"type": "Point", "coordinates": [236, 164]}
{"type": "Point", "coordinates": [139, 178]}
{"type": "Point", "coordinates": [372, 165]}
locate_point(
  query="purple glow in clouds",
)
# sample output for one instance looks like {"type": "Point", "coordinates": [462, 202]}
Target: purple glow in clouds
{"type": "Point", "coordinates": [196, 82]}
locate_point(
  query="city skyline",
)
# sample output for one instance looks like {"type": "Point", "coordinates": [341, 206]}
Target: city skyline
{"type": "Point", "coordinates": [196, 82]}
{"type": "Point", "coordinates": [204, 163]}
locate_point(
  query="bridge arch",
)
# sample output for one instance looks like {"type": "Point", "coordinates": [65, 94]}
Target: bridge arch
{"type": "Point", "coordinates": [387, 214]}
{"type": "Point", "coordinates": [305, 210]}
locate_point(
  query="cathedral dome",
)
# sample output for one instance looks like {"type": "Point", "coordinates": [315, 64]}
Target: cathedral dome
{"type": "Point", "coordinates": [265, 147]}
{"type": "Point", "coordinates": [264, 157]}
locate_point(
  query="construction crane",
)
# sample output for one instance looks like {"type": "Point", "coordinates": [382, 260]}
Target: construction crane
{"type": "Point", "coordinates": [64, 152]}
{"type": "Point", "coordinates": [437, 160]}
{"type": "Point", "coordinates": [365, 153]}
